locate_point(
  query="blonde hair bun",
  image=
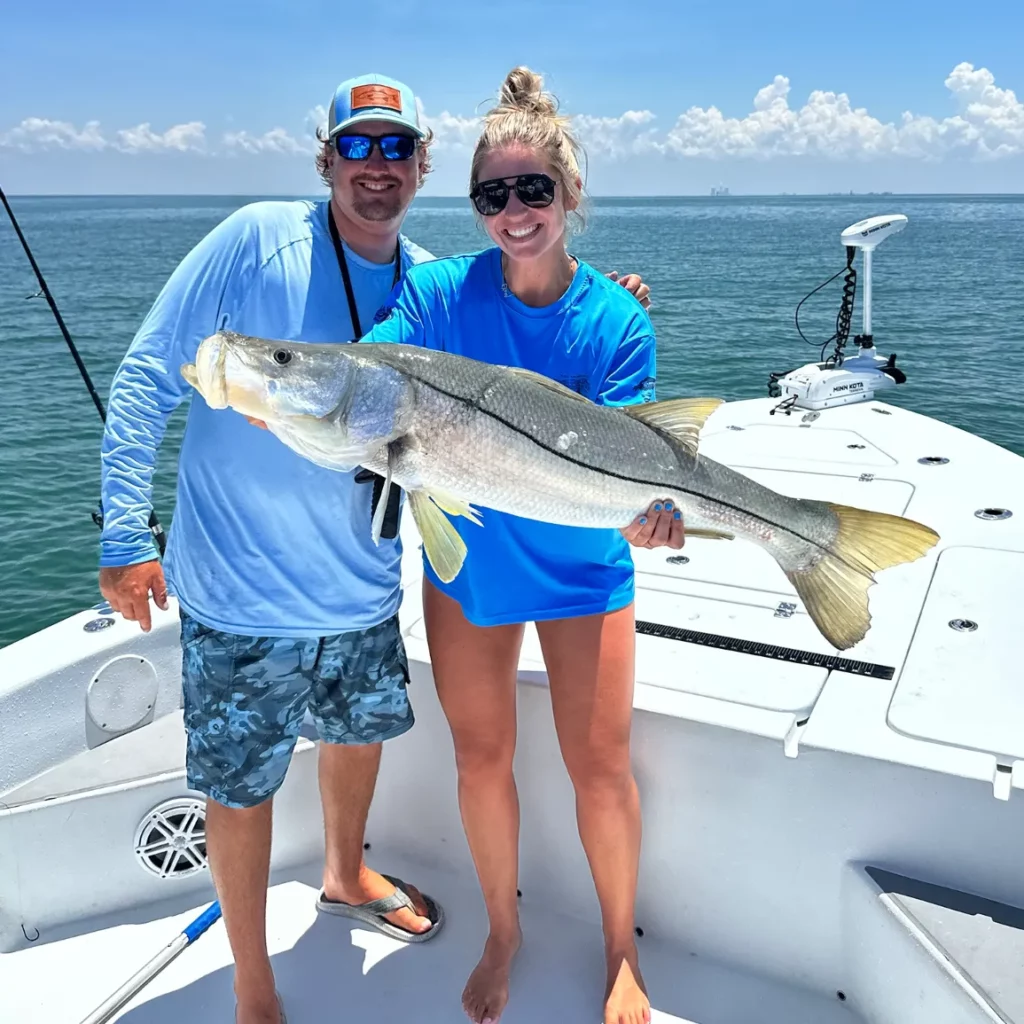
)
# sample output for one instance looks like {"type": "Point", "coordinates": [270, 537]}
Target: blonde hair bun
{"type": "Point", "coordinates": [523, 89]}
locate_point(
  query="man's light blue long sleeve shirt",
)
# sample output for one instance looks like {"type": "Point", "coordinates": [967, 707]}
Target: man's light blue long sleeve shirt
{"type": "Point", "coordinates": [263, 542]}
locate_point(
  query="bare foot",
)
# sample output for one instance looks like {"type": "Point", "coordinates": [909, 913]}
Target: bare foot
{"type": "Point", "coordinates": [626, 999]}
{"type": "Point", "coordinates": [260, 1008]}
{"type": "Point", "coordinates": [374, 886]}
{"type": "Point", "coordinates": [486, 992]}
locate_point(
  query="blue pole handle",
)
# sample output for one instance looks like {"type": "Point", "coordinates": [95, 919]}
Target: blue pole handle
{"type": "Point", "coordinates": [208, 917]}
{"type": "Point", "coordinates": [142, 977]}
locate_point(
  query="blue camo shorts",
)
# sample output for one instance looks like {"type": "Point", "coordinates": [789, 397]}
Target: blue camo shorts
{"type": "Point", "coordinates": [245, 699]}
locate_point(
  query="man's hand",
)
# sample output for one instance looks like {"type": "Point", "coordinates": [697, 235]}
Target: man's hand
{"type": "Point", "coordinates": [127, 589]}
{"type": "Point", "coordinates": [634, 284]}
{"type": "Point", "coordinates": [662, 526]}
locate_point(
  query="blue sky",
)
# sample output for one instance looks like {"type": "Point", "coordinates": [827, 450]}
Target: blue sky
{"type": "Point", "coordinates": [669, 97]}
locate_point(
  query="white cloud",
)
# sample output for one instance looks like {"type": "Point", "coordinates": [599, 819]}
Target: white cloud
{"type": "Point", "coordinates": [184, 138]}
{"type": "Point", "coordinates": [35, 133]}
{"type": "Point", "coordinates": [828, 125]}
{"type": "Point", "coordinates": [316, 118]}
{"type": "Point", "coordinates": [617, 136]}
{"type": "Point", "coordinates": [988, 125]}
{"type": "Point", "coordinates": [451, 131]}
{"type": "Point", "coordinates": [277, 140]}
{"type": "Point", "coordinates": [38, 133]}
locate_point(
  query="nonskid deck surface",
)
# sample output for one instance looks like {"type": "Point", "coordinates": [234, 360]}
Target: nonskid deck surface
{"type": "Point", "coordinates": [329, 970]}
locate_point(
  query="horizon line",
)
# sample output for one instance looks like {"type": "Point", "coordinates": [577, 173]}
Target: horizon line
{"type": "Point", "coordinates": [646, 195]}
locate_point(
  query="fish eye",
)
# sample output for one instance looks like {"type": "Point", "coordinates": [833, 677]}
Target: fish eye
{"type": "Point", "coordinates": [282, 357]}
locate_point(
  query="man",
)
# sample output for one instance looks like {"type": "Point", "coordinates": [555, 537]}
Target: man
{"type": "Point", "coordinates": [286, 603]}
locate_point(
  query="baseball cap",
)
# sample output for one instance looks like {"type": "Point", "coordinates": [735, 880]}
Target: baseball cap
{"type": "Point", "coordinates": [373, 98]}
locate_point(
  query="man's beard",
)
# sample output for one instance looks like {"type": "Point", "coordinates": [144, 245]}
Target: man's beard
{"type": "Point", "coordinates": [385, 206]}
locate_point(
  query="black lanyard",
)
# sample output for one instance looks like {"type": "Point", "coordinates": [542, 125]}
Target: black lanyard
{"type": "Point", "coordinates": [339, 250]}
{"type": "Point", "coordinates": [390, 528]}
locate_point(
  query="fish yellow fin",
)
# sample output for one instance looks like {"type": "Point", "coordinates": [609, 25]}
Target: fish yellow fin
{"type": "Point", "coordinates": [188, 371]}
{"type": "Point", "coordinates": [710, 534]}
{"type": "Point", "coordinates": [835, 590]}
{"type": "Point", "coordinates": [547, 382]}
{"type": "Point", "coordinates": [455, 506]}
{"type": "Point", "coordinates": [682, 418]}
{"type": "Point", "coordinates": [445, 549]}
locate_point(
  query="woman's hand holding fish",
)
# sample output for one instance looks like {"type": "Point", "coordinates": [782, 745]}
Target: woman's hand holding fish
{"type": "Point", "coordinates": [661, 526]}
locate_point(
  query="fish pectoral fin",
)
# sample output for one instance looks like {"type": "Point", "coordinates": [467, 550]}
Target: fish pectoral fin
{"type": "Point", "coordinates": [377, 526]}
{"type": "Point", "coordinates": [680, 418]}
{"type": "Point", "coordinates": [445, 549]}
{"type": "Point", "coordinates": [547, 382]}
{"type": "Point", "coordinates": [455, 506]}
{"type": "Point", "coordinates": [188, 371]}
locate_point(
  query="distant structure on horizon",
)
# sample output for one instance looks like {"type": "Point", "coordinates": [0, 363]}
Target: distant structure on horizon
{"type": "Point", "coordinates": [720, 190]}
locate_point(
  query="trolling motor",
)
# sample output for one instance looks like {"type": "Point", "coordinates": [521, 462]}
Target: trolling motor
{"type": "Point", "coordinates": [842, 379]}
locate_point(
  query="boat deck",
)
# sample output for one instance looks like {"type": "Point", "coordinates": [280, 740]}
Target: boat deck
{"type": "Point", "coordinates": [331, 970]}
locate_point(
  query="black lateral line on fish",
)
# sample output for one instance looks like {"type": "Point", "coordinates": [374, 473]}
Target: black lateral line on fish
{"type": "Point", "coordinates": [634, 480]}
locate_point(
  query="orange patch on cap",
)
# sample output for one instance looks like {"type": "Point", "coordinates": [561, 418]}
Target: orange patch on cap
{"type": "Point", "coordinates": [376, 96]}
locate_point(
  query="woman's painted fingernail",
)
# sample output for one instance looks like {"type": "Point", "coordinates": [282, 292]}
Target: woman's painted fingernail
{"type": "Point", "coordinates": [657, 506]}
{"type": "Point", "coordinates": [668, 506]}
{"type": "Point", "coordinates": [643, 520]}
{"type": "Point", "coordinates": [679, 515]}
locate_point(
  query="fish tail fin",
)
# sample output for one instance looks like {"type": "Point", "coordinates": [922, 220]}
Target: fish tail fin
{"type": "Point", "coordinates": [835, 589]}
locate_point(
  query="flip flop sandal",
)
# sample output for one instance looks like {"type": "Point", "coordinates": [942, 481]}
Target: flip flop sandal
{"type": "Point", "coordinates": [372, 913]}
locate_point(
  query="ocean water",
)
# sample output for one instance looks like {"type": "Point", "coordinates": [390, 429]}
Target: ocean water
{"type": "Point", "coordinates": [725, 273]}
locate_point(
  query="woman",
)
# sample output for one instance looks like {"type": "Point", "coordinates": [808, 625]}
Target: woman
{"type": "Point", "coordinates": [527, 302]}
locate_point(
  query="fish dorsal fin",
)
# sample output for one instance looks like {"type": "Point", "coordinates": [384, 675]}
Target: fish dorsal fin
{"type": "Point", "coordinates": [680, 418]}
{"type": "Point", "coordinates": [547, 382]}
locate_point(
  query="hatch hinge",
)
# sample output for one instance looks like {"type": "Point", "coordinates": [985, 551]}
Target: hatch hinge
{"type": "Point", "coordinates": [1002, 780]}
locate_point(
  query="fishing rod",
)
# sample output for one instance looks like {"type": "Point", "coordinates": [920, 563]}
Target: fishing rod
{"type": "Point", "coordinates": [154, 522]}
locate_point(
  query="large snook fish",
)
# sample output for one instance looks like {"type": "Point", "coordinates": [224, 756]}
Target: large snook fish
{"type": "Point", "coordinates": [455, 433]}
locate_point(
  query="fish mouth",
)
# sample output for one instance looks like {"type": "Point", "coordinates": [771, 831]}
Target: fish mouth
{"type": "Point", "coordinates": [225, 379]}
{"type": "Point", "coordinates": [209, 370]}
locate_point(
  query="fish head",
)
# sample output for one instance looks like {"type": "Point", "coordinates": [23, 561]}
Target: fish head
{"type": "Point", "coordinates": [270, 380]}
{"type": "Point", "coordinates": [334, 404]}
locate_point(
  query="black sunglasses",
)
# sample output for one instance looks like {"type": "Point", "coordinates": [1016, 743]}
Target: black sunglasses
{"type": "Point", "coordinates": [491, 197]}
{"type": "Point", "coordinates": [360, 147]}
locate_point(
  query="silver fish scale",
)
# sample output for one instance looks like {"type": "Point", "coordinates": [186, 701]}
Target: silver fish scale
{"type": "Point", "coordinates": [606, 440]}
{"type": "Point", "coordinates": [501, 440]}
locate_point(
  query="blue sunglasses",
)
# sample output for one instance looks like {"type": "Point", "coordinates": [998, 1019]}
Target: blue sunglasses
{"type": "Point", "coordinates": [360, 147]}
